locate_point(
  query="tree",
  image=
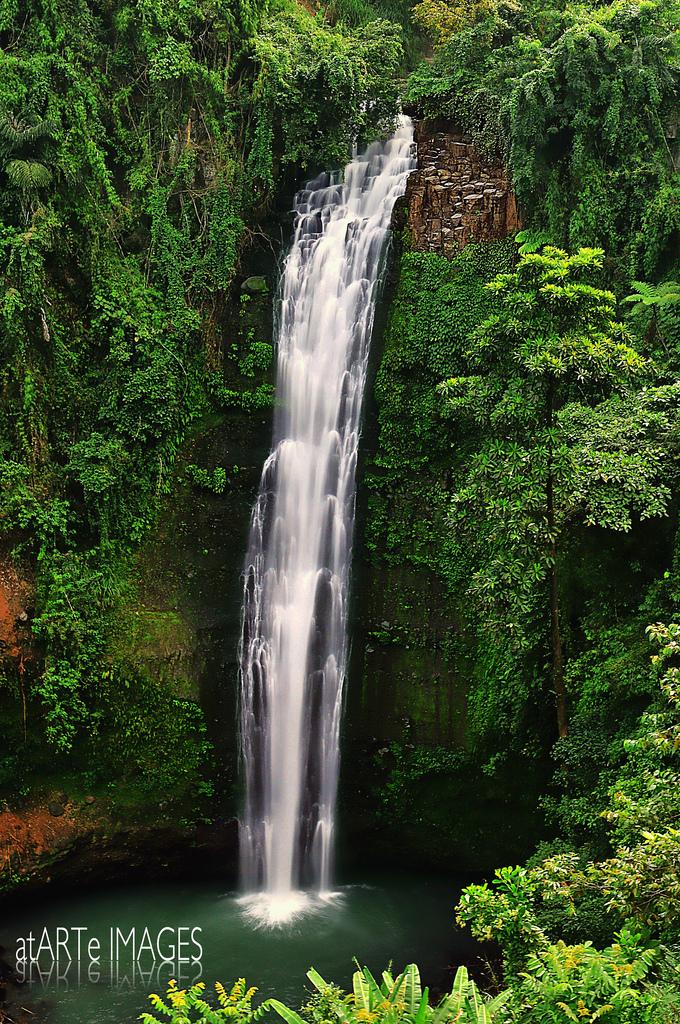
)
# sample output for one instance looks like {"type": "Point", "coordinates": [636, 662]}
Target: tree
{"type": "Point", "coordinates": [563, 437]}
{"type": "Point", "coordinates": [576, 99]}
{"type": "Point", "coordinates": [650, 303]}
{"type": "Point", "coordinates": [441, 19]}
{"type": "Point", "coordinates": [640, 882]}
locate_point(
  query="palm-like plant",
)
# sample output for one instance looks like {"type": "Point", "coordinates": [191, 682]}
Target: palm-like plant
{"type": "Point", "coordinates": [22, 152]}
{"type": "Point", "coordinates": [646, 295]}
{"type": "Point", "coordinates": [27, 175]}
{"type": "Point", "coordinates": [400, 1000]}
{"type": "Point", "coordinates": [648, 300]}
{"type": "Point", "coordinates": [532, 241]}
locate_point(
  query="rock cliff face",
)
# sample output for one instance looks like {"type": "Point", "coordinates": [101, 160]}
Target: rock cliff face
{"type": "Point", "coordinates": [176, 629]}
{"type": "Point", "coordinates": [413, 785]}
{"type": "Point", "coordinates": [456, 196]}
{"type": "Point", "coordinates": [182, 627]}
{"type": "Point", "coordinates": [16, 598]}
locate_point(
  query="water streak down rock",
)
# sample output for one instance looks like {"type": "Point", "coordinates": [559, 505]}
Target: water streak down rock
{"type": "Point", "coordinates": [294, 643]}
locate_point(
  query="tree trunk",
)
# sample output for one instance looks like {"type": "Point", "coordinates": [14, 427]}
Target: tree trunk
{"type": "Point", "coordinates": [557, 652]}
{"type": "Point", "coordinates": [559, 687]}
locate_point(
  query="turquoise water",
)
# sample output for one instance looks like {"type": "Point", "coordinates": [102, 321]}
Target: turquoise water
{"type": "Point", "coordinates": [399, 918]}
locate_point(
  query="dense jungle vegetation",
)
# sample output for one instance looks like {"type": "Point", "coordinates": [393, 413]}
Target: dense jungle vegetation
{"type": "Point", "coordinates": [140, 143]}
{"type": "Point", "coordinates": [528, 400]}
{"type": "Point", "coordinates": [528, 403]}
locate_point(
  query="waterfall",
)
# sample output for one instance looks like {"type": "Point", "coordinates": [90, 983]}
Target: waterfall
{"type": "Point", "coordinates": [294, 639]}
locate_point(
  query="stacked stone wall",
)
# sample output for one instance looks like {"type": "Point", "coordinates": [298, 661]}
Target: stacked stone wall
{"type": "Point", "coordinates": [456, 196]}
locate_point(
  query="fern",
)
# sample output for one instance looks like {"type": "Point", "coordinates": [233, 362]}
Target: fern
{"type": "Point", "coordinates": [28, 175]}
{"type": "Point", "coordinates": [658, 296]}
{"type": "Point", "coordinates": [532, 241]}
{"type": "Point", "coordinates": [643, 293]}
{"type": "Point", "coordinates": [187, 1006]}
{"type": "Point", "coordinates": [16, 133]}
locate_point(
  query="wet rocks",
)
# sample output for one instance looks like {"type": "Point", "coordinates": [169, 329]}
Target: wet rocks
{"type": "Point", "coordinates": [254, 285]}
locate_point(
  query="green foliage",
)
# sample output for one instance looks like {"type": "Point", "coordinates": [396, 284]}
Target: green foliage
{"type": "Point", "coordinates": [361, 12]}
{"type": "Point", "coordinates": [437, 305]}
{"type": "Point", "coordinates": [579, 983]}
{"type": "Point", "coordinates": [663, 294]}
{"type": "Point", "coordinates": [257, 358]}
{"type": "Point", "coordinates": [409, 765]}
{"type": "Point", "coordinates": [562, 440]}
{"type": "Point", "coordinates": [422, 456]}
{"type": "Point", "coordinates": [25, 153]}
{"type": "Point", "coordinates": [27, 175]}
{"type": "Point", "coordinates": [507, 912]}
{"type": "Point", "coordinates": [531, 241]}
{"type": "Point", "coordinates": [400, 1000]}
{"type": "Point", "coordinates": [425, 455]}
{"type": "Point", "coordinates": [184, 1006]}
{"type": "Point", "coordinates": [576, 99]}
{"type": "Point", "coordinates": [642, 879]}
{"type": "Point", "coordinates": [442, 20]}
{"type": "Point", "coordinates": [210, 480]}
{"type": "Point", "coordinates": [144, 733]}
{"type": "Point", "coordinates": [556, 981]}
{"type": "Point", "coordinates": [561, 984]}
{"type": "Point", "coordinates": [135, 144]}
{"type": "Point", "coordinates": [657, 309]}
{"type": "Point", "coordinates": [319, 88]}
{"type": "Point", "coordinates": [640, 882]}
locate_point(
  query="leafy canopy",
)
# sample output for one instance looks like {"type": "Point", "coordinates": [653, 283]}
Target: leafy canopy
{"type": "Point", "coordinates": [564, 437]}
{"type": "Point", "coordinates": [576, 100]}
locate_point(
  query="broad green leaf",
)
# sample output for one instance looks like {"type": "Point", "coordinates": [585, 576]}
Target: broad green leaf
{"type": "Point", "coordinates": [290, 1016]}
{"type": "Point", "coordinates": [460, 982]}
{"type": "Point", "coordinates": [413, 991]}
{"type": "Point", "coordinates": [388, 982]}
{"type": "Point", "coordinates": [421, 1015]}
{"type": "Point", "coordinates": [316, 979]}
{"type": "Point", "coordinates": [376, 995]}
{"type": "Point", "coordinates": [362, 994]}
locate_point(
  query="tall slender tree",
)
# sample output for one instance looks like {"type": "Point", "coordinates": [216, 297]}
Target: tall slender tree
{"type": "Point", "coordinates": [565, 437]}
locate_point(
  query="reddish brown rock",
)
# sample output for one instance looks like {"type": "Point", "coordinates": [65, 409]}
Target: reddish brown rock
{"type": "Point", "coordinates": [15, 593]}
{"type": "Point", "coordinates": [456, 195]}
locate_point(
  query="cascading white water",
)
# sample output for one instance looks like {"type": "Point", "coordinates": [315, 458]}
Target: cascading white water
{"type": "Point", "coordinates": [294, 642]}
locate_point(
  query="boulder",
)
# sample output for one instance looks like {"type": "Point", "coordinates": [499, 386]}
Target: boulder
{"type": "Point", "coordinates": [255, 286]}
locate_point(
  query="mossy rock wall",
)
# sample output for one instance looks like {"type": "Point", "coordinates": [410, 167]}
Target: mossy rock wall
{"type": "Point", "coordinates": [184, 627]}
{"type": "Point", "coordinates": [419, 781]}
